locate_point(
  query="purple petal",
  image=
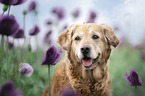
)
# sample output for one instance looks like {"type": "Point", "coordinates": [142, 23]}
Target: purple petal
{"type": "Point", "coordinates": [9, 2]}
{"type": "Point", "coordinates": [32, 6]}
{"type": "Point", "coordinates": [92, 17]}
{"type": "Point", "coordinates": [68, 92]}
{"type": "Point", "coordinates": [59, 12]}
{"type": "Point", "coordinates": [47, 38]}
{"type": "Point", "coordinates": [135, 79]}
{"type": "Point", "coordinates": [19, 34]}
{"type": "Point", "coordinates": [128, 79]}
{"type": "Point", "coordinates": [58, 57]}
{"type": "Point", "coordinates": [8, 25]}
{"type": "Point", "coordinates": [34, 31]}
{"type": "Point", "coordinates": [26, 69]}
{"type": "Point", "coordinates": [8, 89]}
{"type": "Point", "coordinates": [49, 56]}
{"type": "Point", "coordinates": [76, 13]}
{"type": "Point", "coordinates": [20, 2]}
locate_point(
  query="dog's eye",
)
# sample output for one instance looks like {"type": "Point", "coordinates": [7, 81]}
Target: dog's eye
{"type": "Point", "coordinates": [77, 38]}
{"type": "Point", "coordinates": [95, 36]}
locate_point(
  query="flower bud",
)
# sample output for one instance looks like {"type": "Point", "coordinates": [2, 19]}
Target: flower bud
{"type": "Point", "coordinates": [5, 8]}
{"type": "Point", "coordinates": [24, 12]}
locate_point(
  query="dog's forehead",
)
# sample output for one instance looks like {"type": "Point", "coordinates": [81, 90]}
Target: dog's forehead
{"type": "Point", "coordinates": [88, 28]}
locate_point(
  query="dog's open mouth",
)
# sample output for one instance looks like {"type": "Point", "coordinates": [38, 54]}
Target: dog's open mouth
{"type": "Point", "coordinates": [87, 61]}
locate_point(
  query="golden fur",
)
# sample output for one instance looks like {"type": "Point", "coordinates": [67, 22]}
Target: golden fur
{"type": "Point", "coordinates": [70, 73]}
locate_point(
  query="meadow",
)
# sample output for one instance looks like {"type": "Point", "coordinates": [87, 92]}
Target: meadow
{"type": "Point", "coordinates": [123, 59]}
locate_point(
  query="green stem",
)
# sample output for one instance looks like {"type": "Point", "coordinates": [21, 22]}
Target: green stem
{"type": "Point", "coordinates": [9, 10]}
{"type": "Point", "coordinates": [49, 79]}
{"type": "Point", "coordinates": [24, 17]}
{"type": "Point", "coordinates": [22, 49]}
{"type": "Point", "coordinates": [2, 42]}
{"type": "Point", "coordinates": [3, 12]}
{"type": "Point", "coordinates": [135, 90]}
{"type": "Point", "coordinates": [7, 46]}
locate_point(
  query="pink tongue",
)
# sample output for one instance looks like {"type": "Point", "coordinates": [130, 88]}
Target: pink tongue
{"type": "Point", "coordinates": [87, 63]}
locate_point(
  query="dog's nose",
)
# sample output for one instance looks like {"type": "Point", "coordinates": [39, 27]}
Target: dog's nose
{"type": "Point", "coordinates": [85, 49]}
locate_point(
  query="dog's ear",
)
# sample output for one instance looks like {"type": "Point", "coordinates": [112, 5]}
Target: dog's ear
{"type": "Point", "coordinates": [110, 35]}
{"type": "Point", "coordinates": [64, 40]}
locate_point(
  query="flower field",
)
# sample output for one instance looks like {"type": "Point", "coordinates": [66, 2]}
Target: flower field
{"type": "Point", "coordinates": [26, 72]}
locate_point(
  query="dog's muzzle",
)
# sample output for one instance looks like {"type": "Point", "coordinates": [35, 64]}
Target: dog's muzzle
{"type": "Point", "coordinates": [87, 61]}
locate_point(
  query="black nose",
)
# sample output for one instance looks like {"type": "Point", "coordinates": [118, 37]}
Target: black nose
{"type": "Point", "coordinates": [85, 49]}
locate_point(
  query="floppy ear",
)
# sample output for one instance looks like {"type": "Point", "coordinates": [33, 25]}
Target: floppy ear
{"type": "Point", "coordinates": [110, 35]}
{"type": "Point", "coordinates": [64, 40]}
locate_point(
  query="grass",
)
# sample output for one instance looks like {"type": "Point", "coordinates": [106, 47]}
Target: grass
{"type": "Point", "coordinates": [123, 59]}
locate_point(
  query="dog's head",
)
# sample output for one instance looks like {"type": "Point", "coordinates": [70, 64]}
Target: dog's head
{"type": "Point", "coordinates": [88, 43]}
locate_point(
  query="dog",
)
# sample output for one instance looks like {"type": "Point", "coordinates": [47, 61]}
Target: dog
{"type": "Point", "coordinates": [85, 68]}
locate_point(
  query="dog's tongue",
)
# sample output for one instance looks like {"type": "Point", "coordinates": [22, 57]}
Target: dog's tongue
{"type": "Point", "coordinates": [87, 63]}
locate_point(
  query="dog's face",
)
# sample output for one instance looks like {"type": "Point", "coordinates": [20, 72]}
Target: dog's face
{"type": "Point", "coordinates": [88, 43]}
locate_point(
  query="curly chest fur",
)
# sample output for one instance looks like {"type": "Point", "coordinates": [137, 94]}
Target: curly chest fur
{"type": "Point", "coordinates": [95, 82]}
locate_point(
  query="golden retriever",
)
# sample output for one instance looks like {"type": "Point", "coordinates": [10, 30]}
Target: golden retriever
{"type": "Point", "coordinates": [85, 68]}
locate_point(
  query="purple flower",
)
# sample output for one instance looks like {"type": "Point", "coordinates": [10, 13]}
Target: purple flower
{"type": "Point", "coordinates": [26, 69]}
{"type": "Point", "coordinates": [11, 45]}
{"type": "Point", "coordinates": [133, 79]}
{"type": "Point", "coordinates": [51, 56]}
{"type": "Point", "coordinates": [8, 2]}
{"type": "Point", "coordinates": [12, 2]}
{"type": "Point", "coordinates": [19, 34]}
{"type": "Point", "coordinates": [47, 38]}
{"type": "Point", "coordinates": [8, 89]}
{"type": "Point", "coordinates": [8, 25]}
{"type": "Point", "coordinates": [143, 56]}
{"type": "Point", "coordinates": [32, 6]}
{"type": "Point", "coordinates": [92, 17]}
{"type": "Point", "coordinates": [49, 22]}
{"type": "Point", "coordinates": [59, 12]}
{"type": "Point", "coordinates": [34, 31]}
{"type": "Point", "coordinates": [76, 13]}
{"type": "Point", "coordinates": [68, 92]}
{"type": "Point", "coordinates": [20, 2]}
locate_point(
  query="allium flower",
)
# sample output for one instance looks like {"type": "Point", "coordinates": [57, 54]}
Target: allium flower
{"type": "Point", "coordinates": [8, 2]}
{"type": "Point", "coordinates": [92, 17]}
{"type": "Point", "coordinates": [49, 22]}
{"type": "Point", "coordinates": [76, 13]}
{"type": "Point", "coordinates": [59, 12]}
{"type": "Point", "coordinates": [68, 92]}
{"type": "Point", "coordinates": [11, 45]}
{"type": "Point", "coordinates": [143, 56]}
{"type": "Point", "coordinates": [47, 38]}
{"type": "Point", "coordinates": [8, 89]}
{"type": "Point", "coordinates": [34, 31]}
{"type": "Point", "coordinates": [12, 2]}
{"type": "Point", "coordinates": [19, 34]}
{"type": "Point", "coordinates": [51, 56]}
{"type": "Point", "coordinates": [133, 79]}
{"type": "Point", "coordinates": [26, 69]}
{"type": "Point", "coordinates": [8, 25]}
{"type": "Point", "coordinates": [32, 6]}
{"type": "Point", "coordinates": [20, 2]}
